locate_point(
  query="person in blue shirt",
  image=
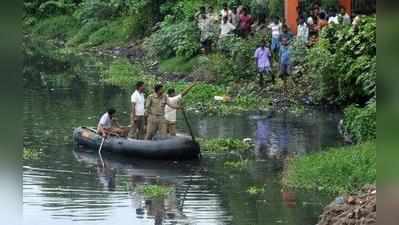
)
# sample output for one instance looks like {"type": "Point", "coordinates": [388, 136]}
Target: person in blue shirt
{"type": "Point", "coordinates": [285, 61]}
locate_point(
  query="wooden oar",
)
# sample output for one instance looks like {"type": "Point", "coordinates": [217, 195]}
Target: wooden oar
{"type": "Point", "coordinates": [188, 124]}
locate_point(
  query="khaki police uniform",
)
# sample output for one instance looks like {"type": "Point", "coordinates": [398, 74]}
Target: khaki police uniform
{"type": "Point", "coordinates": [155, 109]}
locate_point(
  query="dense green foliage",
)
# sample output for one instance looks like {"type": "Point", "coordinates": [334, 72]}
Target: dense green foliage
{"type": "Point", "coordinates": [360, 124]}
{"type": "Point", "coordinates": [56, 28]}
{"type": "Point", "coordinates": [276, 8]}
{"type": "Point", "coordinates": [337, 170]}
{"type": "Point", "coordinates": [91, 23]}
{"type": "Point", "coordinates": [174, 39]}
{"type": "Point", "coordinates": [343, 64]}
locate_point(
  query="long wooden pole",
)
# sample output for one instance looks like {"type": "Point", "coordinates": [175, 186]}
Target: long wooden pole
{"type": "Point", "coordinates": [188, 124]}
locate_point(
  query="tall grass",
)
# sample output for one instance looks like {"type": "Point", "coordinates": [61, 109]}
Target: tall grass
{"type": "Point", "coordinates": [338, 170]}
{"type": "Point", "coordinates": [56, 28]}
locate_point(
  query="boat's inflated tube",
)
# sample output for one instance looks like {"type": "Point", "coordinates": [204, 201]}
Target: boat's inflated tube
{"type": "Point", "coordinates": [175, 148]}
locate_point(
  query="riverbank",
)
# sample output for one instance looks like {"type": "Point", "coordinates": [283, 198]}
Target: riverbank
{"type": "Point", "coordinates": [340, 171]}
{"type": "Point", "coordinates": [337, 170]}
{"type": "Point", "coordinates": [127, 63]}
{"type": "Point", "coordinates": [353, 209]}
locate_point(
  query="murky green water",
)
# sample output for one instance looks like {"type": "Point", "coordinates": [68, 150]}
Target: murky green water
{"type": "Point", "coordinates": [66, 187]}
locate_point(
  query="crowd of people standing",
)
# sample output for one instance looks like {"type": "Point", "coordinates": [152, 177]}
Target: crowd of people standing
{"type": "Point", "coordinates": [217, 25]}
{"type": "Point", "coordinates": [237, 21]}
{"type": "Point", "coordinates": [317, 19]}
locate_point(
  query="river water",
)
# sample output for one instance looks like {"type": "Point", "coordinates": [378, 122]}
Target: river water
{"type": "Point", "coordinates": [63, 186]}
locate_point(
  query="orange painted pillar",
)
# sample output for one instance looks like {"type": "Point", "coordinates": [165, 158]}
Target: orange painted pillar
{"type": "Point", "coordinates": [347, 4]}
{"type": "Point", "coordinates": [291, 14]}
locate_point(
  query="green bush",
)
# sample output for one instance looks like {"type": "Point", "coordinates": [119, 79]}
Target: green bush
{"type": "Point", "coordinates": [48, 8]}
{"type": "Point", "coordinates": [116, 32]}
{"type": "Point", "coordinates": [337, 170]}
{"type": "Point", "coordinates": [97, 10]}
{"type": "Point", "coordinates": [361, 123]}
{"type": "Point", "coordinates": [56, 28]}
{"type": "Point", "coordinates": [181, 9]}
{"type": "Point", "coordinates": [276, 8]}
{"type": "Point", "coordinates": [241, 52]}
{"type": "Point", "coordinates": [174, 39]}
{"type": "Point", "coordinates": [343, 64]}
{"type": "Point", "coordinates": [214, 68]}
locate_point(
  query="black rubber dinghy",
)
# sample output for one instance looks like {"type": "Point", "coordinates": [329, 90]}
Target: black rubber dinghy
{"type": "Point", "coordinates": [172, 148]}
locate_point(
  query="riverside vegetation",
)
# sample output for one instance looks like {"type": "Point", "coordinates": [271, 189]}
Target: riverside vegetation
{"type": "Point", "coordinates": [339, 70]}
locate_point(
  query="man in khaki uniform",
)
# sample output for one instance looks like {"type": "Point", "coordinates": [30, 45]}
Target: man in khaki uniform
{"type": "Point", "coordinates": [155, 109]}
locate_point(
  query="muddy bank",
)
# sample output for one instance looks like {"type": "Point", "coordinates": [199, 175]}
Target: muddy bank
{"type": "Point", "coordinates": [354, 209]}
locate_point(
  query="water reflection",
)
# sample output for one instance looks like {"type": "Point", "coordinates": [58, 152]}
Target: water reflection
{"type": "Point", "coordinates": [189, 199]}
{"type": "Point", "coordinates": [275, 134]}
{"type": "Point", "coordinates": [106, 174]}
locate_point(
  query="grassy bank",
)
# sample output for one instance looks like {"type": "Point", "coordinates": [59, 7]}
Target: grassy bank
{"type": "Point", "coordinates": [124, 74]}
{"type": "Point", "coordinates": [338, 170]}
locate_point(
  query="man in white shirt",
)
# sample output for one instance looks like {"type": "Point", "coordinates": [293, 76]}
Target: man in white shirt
{"type": "Point", "coordinates": [333, 18]}
{"type": "Point", "coordinates": [346, 19]}
{"type": "Point", "coordinates": [303, 31]}
{"type": "Point", "coordinates": [276, 31]}
{"type": "Point", "coordinates": [173, 104]}
{"type": "Point", "coordinates": [226, 12]}
{"type": "Point", "coordinates": [226, 28]}
{"type": "Point", "coordinates": [109, 126]}
{"type": "Point", "coordinates": [138, 111]}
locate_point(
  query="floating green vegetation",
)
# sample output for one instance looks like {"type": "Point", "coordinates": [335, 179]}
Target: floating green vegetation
{"type": "Point", "coordinates": [31, 154]}
{"type": "Point", "coordinates": [241, 164]}
{"type": "Point", "coordinates": [338, 170]}
{"type": "Point", "coordinates": [220, 145]}
{"type": "Point", "coordinates": [155, 191]}
{"type": "Point", "coordinates": [254, 190]}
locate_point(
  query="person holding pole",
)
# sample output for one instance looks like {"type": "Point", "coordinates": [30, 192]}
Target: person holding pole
{"type": "Point", "coordinates": [173, 104]}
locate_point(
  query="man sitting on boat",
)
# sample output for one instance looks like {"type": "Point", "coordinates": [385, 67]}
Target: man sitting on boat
{"type": "Point", "coordinates": [173, 104]}
{"type": "Point", "coordinates": [155, 109]}
{"type": "Point", "coordinates": [108, 125]}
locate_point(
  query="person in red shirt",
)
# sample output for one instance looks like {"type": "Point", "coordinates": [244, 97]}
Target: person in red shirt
{"type": "Point", "coordinates": [245, 23]}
